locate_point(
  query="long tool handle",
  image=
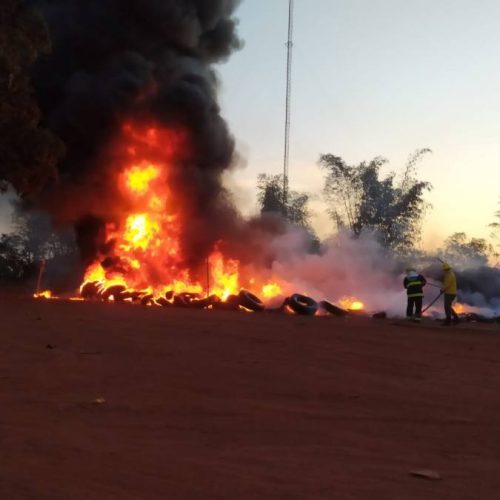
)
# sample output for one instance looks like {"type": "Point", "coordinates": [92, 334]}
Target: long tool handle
{"type": "Point", "coordinates": [433, 302]}
{"type": "Point", "coordinates": [40, 276]}
{"type": "Point", "coordinates": [434, 285]}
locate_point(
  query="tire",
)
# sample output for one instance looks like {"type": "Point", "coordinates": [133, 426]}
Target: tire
{"type": "Point", "coordinates": [203, 303]}
{"type": "Point", "coordinates": [250, 301]}
{"type": "Point", "coordinates": [163, 302]}
{"type": "Point", "coordinates": [114, 291]}
{"type": "Point", "coordinates": [180, 301]}
{"type": "Point", "coordinates": [232, 303]}
{"type": "Point", "coordinates": [147, 300]}
{"type": "Point", "coordinates": [185, 299]}
{"type": "Point", "coordinates": [303, 305]}
{"type": "Point", "coordinates": [90, 290]}
{"type": "Point", "coordinates": [333, 310]}
{"type": "Point", "coordinates": [135, 296]}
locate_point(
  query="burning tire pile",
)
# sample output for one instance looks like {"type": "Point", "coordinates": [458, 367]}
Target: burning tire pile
{"type": "Point", "coordinates": [119, 293]}
{"type": "Point", "coordinates": [245, 300]}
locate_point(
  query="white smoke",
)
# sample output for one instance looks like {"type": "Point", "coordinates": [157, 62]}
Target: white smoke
{"type": "Point", "coordinates": [347, 267]}
{"type": "Point", "coordinates": [361, 269]}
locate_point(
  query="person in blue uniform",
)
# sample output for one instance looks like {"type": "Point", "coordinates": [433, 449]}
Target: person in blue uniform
{"type": "Point", "coordinates": [414, 284]}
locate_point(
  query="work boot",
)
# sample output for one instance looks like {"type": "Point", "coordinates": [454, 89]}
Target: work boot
{"type": "Point", "coordinates": [417, 319]}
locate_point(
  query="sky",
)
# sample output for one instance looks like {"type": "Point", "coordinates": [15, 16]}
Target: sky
{"type": "Point", "coordinates": [370, 78]}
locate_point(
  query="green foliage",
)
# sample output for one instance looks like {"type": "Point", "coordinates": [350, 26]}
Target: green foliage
{"type": "Point", "coordinates": [28, 153]}
{"type": "Point", "coordinates": [362, 201]}
{"type": "Point", "coordinates": [464, 252]}
{"type": "Point", "coordinates": [270, 197]}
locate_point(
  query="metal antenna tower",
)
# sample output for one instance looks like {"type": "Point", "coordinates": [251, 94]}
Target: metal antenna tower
{"type": "Point", "coordinates": [288, 104]}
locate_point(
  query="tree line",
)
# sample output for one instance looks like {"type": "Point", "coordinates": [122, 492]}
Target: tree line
{"type": "Point", "coordinates": [362, 200]}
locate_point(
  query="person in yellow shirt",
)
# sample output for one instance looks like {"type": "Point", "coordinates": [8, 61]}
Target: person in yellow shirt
{"type": "Point", "coordinates": [449, 289]}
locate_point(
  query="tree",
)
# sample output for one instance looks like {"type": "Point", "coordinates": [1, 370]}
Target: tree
{"type": "Point", "coordinates": [362, 201]}
{"type": "Point", "coordinates": [270, 196]}
{"type": "Point", "coordinates": [496, 231]}
{"type": "Point", "coordinates": [34, 239]}
{"type": "Point", "coordinates": [496, 225]}
{"type": "Point", "coordinates": [28, 154]}
{"type": "Point", "coordinates": [14, 266]}
{"type": "Point", "coordinates": [464, 252]}
{"type": "Point", "coordinates": [38, 238]}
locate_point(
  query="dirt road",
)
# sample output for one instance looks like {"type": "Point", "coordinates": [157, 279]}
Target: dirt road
{"type": "Point", "coordinates": [109, 401]}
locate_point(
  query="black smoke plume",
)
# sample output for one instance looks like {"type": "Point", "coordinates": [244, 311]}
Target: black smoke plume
{"type": "Point", "coordinates": [146, 60]}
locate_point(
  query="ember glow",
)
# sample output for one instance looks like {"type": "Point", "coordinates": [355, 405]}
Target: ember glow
{"type": "Point", "coordinates": [143, 246]}
{"type": "Point", "coordinates": [351, 304]}
{"type": "Point", "coordinates": [46, 294]}
{"type": "Point", "coordinates": [271, 290]}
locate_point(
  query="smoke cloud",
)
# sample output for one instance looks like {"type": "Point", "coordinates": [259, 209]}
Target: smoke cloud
{"type": "Point", "coordinates": [361, 268]}
{"type": "Point", "coordinates": [480, 287]}
{"type": "Point", "coordinates": [345, 267]}
{"type": "Point", "coordinates": [149, 61]}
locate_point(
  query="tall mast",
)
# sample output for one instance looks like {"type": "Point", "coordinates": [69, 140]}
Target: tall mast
{"type": "Point", "coordinates": [288, 104]}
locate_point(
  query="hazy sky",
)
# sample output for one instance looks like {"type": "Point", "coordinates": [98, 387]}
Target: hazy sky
{"type": "Point", "coordinates": [373, 77]}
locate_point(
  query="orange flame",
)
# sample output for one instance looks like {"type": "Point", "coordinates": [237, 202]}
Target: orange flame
{"type": "Point", "coordinates": [140, 232]}
{"type": "Point", "coordinates": [351, 304]}
{"type": "Point", "coordinates": [225, 275]}
{"type": "Point", "coordinates": [271, 290]}
{"type": "Point", "coordinates": [138, 179]}
{"type": "Point", "coordinates": [46, 294]}
{"type": "Point", "coordinates": [146, 248]}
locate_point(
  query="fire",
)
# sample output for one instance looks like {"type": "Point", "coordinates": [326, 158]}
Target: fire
{"type": "Point", "coordinates": [225, 275]}
{"type": "Point", "coordinates": [143, 245]}
{"type": "Point", "coordinates": [351, 304]}
{"type": "Point", "coordinates": [138, 178]}
{"type": "Point", "coordinates": [140, 232]}
{"type": "Point", "coordinates": [46, 294]}
{"type": "Point", "coordinates": [271, 290]}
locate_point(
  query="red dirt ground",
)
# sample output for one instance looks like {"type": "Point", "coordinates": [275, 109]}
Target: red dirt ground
{"type": "Point", "coordinates": [213, 404]}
